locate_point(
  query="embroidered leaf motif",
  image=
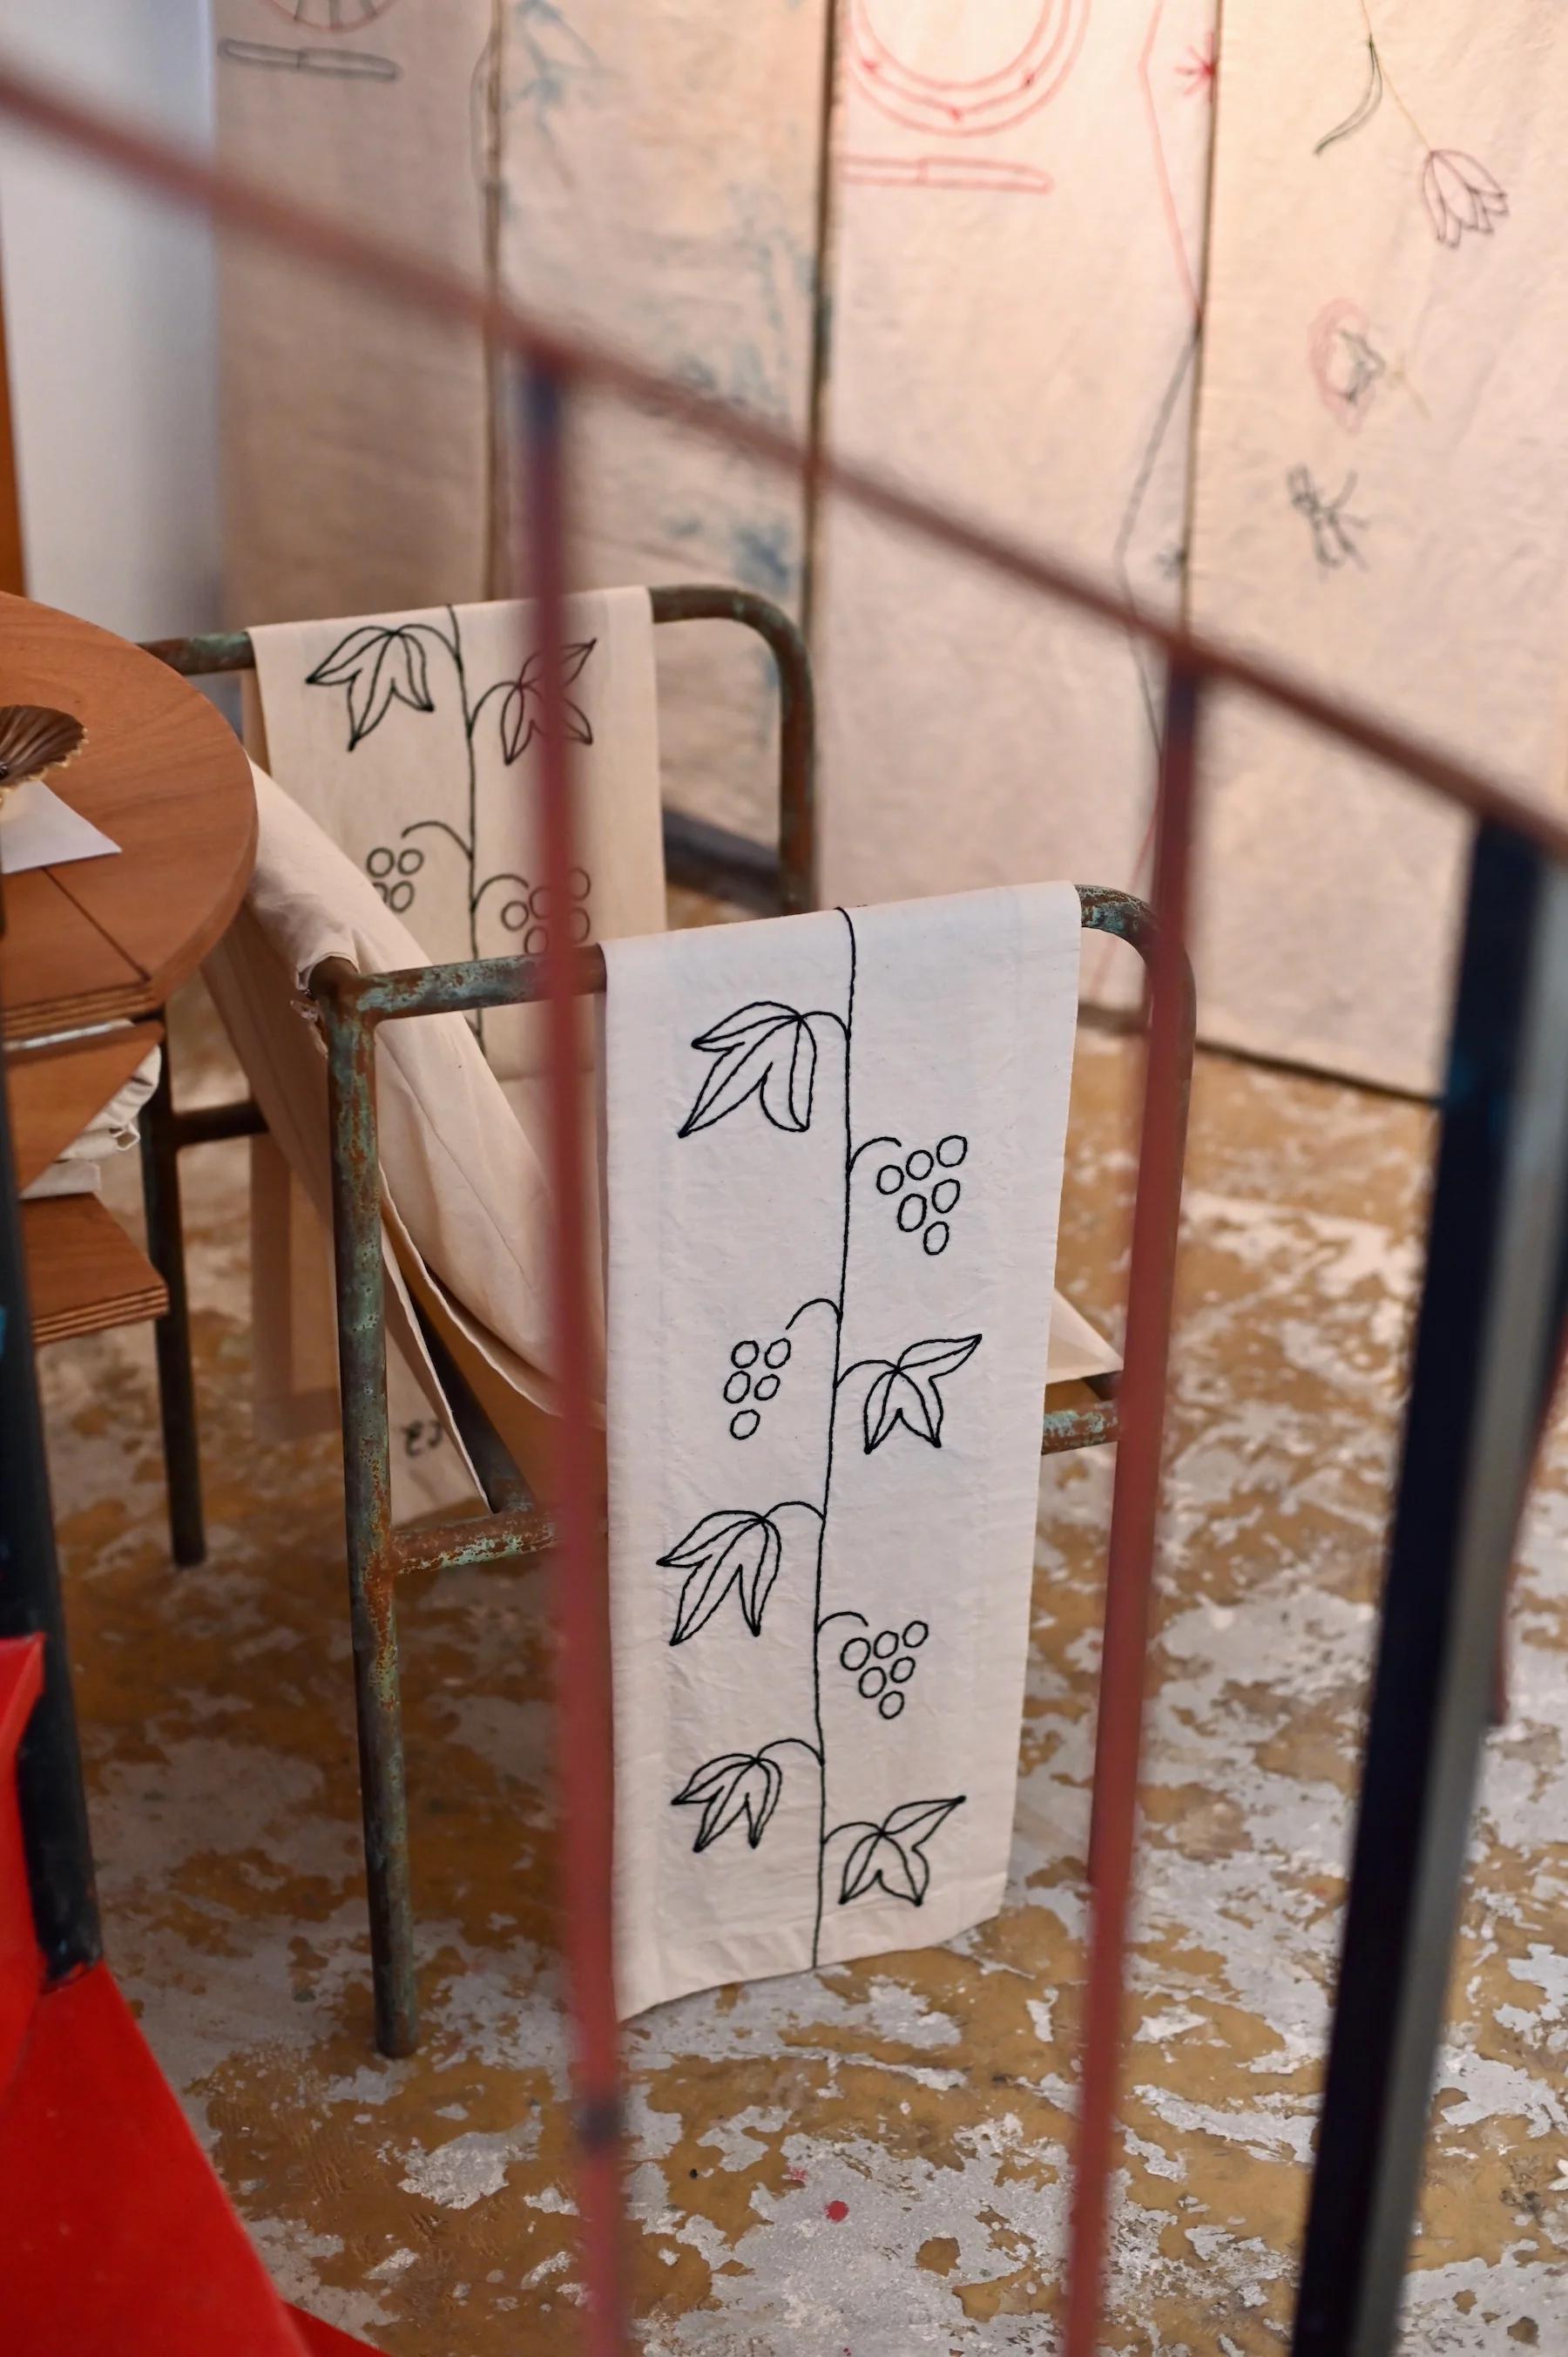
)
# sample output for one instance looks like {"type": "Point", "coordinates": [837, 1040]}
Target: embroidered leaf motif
{"type": "Point", "coordinates": [894, 1853]}
{"type": "Point", "coordinates": [379, 667]}
{"type": "Point", "coordinates": [1365, 107]}
{"type": "Point", "coordinates": [732, 1549]}
{"type": "Point", "coordinates": [905, 1392]}
{"type": "Point", "coordinates": [764, 1051]}
{"type": "Point", "coordinates": [741, 1784]}
{"type": "Point", "coordinates": [522, 705]}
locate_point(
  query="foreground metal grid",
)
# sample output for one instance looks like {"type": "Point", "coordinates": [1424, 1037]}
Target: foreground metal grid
{"type": "Point", "coordinates": [1498, 1251]}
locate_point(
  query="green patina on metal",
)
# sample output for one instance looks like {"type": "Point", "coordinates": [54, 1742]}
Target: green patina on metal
{"type": "Point", "coordinates": [350, 1007]}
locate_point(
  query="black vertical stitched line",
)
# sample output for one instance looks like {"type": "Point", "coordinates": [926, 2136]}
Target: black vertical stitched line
{"type": "Point", "coordinates": [468, 725]}
{"type": "Point", "coordinates": [832, 1418]}
{"type": "Point", "coordinates": [471, 722]}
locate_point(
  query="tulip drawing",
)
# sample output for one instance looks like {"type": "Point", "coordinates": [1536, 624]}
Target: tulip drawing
{"type": "Point", "coordinates": [1460, 195]}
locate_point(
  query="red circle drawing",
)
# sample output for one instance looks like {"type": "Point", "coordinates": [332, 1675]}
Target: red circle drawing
{"type": "Point", "coordinates": [991, 91]}
{"type": "Point", "coordinates": [331, 15]}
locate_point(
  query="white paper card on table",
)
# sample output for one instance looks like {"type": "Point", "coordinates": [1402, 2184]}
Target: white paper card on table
{"type": "Point", "coordinates": [835, 1152]}
{"type": "Point", "coordinates": [38, 830]}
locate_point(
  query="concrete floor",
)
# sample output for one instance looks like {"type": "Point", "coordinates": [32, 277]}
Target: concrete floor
{"type": "Point", "coordinates": [871, 2160]}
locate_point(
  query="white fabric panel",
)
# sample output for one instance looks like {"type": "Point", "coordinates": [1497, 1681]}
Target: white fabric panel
{"type": "Point", "coordinates": [832, 1204]}
{"type": "Point", "coordinates": [1018, 255]}
{"type": "Point", "coordinates": [415, 740]}
{"type": "Point", "coordinates": [1382, 492]}
{"type": "Point", "coordinates": [355, 435]}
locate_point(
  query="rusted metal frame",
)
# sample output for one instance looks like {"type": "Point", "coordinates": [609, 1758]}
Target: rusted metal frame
{"type": "Point", "coordinates": [350, 1036]}
{"type": "Point", "coordinates": [171, 1332]}
{"type": "Point", "coordinates": [1485, 1349]}
{"type": "Point", "coordinates": [474, 985]}
{"type": "Point", "coordinates": [698, 602]}
{"type": "Point", "coordinates": [351, 1007]}
{"type": "Point", "coordinates": [514, 1535]}
{"type": "Point", "coordinates": [1134, 1513]}
{"type": "Point", "coordinates": [1065, 1428]}
{"type": "Point", "coordinates": [701, 856]}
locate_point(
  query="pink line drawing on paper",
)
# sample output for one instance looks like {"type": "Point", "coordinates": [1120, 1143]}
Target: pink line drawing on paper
{"type": "Point", "coordinates": [1194, 69]}
{"type": "Point", "coordinates": [331, 15]}
{"type": "Point", "coordinates": [1162, 164]}
{"type": "Point", "coordinates": [965, 104]}
{"type": "Point", "coordinates": [1343, 364]}
{"type": "Point", "coordinates": [947, 172]}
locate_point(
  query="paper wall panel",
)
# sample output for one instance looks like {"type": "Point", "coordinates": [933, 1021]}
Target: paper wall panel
{"type": "Point", "coordinates": [355, 436]}
{"type": "Point", "coordinates": [1017, 253]}
{"type": "Point", "coordinates": [659, 173]}
{"type": "Point", "coordinates": [1382, 492]}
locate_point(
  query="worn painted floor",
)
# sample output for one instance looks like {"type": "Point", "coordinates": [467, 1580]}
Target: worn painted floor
{"type": "Point", "coordinates": [870, 2162]}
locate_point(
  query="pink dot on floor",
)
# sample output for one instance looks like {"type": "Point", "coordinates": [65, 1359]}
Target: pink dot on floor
{"type": "Point", "coordinates": [835, 2210]}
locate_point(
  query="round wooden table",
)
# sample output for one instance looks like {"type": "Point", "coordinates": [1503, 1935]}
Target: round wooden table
{"type": "Point", "coordinates": [165, 776]}
{"type": "Point", "coordinates": [93, 950]}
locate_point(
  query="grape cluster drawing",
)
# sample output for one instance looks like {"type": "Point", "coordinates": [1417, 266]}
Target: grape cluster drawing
{"type": "Point", "coordinates": [882, 1665]}
{"type": "Point", "coordinates": [764, 1064]}
{"type": "Point", "coordinates": [757, 1371]}
{"type": "Point", "coordinates": [926, 1190]}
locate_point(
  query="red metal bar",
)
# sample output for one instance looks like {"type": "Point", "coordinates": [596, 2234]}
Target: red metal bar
{"type": "Point", "coordinates": [258, 211]}
{"type": "Point", "coordinates": [580, 1569]}
{"type": "Point", "coordinates": [1134, 1514]}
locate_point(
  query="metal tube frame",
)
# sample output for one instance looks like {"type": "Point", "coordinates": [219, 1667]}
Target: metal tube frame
{"type": "Point", "coordinates": [705, 857]}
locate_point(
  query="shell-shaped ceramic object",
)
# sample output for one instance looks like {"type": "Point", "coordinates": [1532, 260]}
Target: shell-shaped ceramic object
{"type": "Point", "coordinates": [35, 738]}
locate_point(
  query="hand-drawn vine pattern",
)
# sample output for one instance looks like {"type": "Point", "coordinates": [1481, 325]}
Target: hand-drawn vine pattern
{"type": "Point", "coordinates": [1460, 194]}
{"type": "Point", "coordinates": [764, 1060]}
{"type": "Point", "coordinates": [379, 665]}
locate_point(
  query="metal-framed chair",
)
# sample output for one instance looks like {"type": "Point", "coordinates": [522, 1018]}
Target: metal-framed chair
{"type": "Point", "coordinates": [350, 1007]}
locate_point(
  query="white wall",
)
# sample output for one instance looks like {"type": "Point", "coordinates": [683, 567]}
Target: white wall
{"type": "Point", "coordinates": [111, 327]}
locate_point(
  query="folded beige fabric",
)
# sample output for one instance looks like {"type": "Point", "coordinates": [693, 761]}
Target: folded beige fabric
{"type": "Point", "coordinates": [78, 1169]}
{"type": "Point", "coordinates": [463, 1187]}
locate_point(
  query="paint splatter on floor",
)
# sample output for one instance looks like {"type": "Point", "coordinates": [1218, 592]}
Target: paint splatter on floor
{"type": "Point", "coordinates": [872, 2159]}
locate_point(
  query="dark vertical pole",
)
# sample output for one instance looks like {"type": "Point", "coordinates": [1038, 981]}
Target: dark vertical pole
{"type": "Point", "coordinates": [1134, 1513]}
{"type": "Point", "coordinates": [580, 1568]}
{"type": "Point", "coordinates": [367, 1502]}
{"type": "Point", "coordinates": [48, 1767]}
{"type": "Point", "coordinates": [1483, 1349]}
{"type": "Point", "coordinates": [171, 1332]}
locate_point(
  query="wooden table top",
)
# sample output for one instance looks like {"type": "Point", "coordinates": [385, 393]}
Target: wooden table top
{"type": "Point", "coordinates": [164, 775]}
